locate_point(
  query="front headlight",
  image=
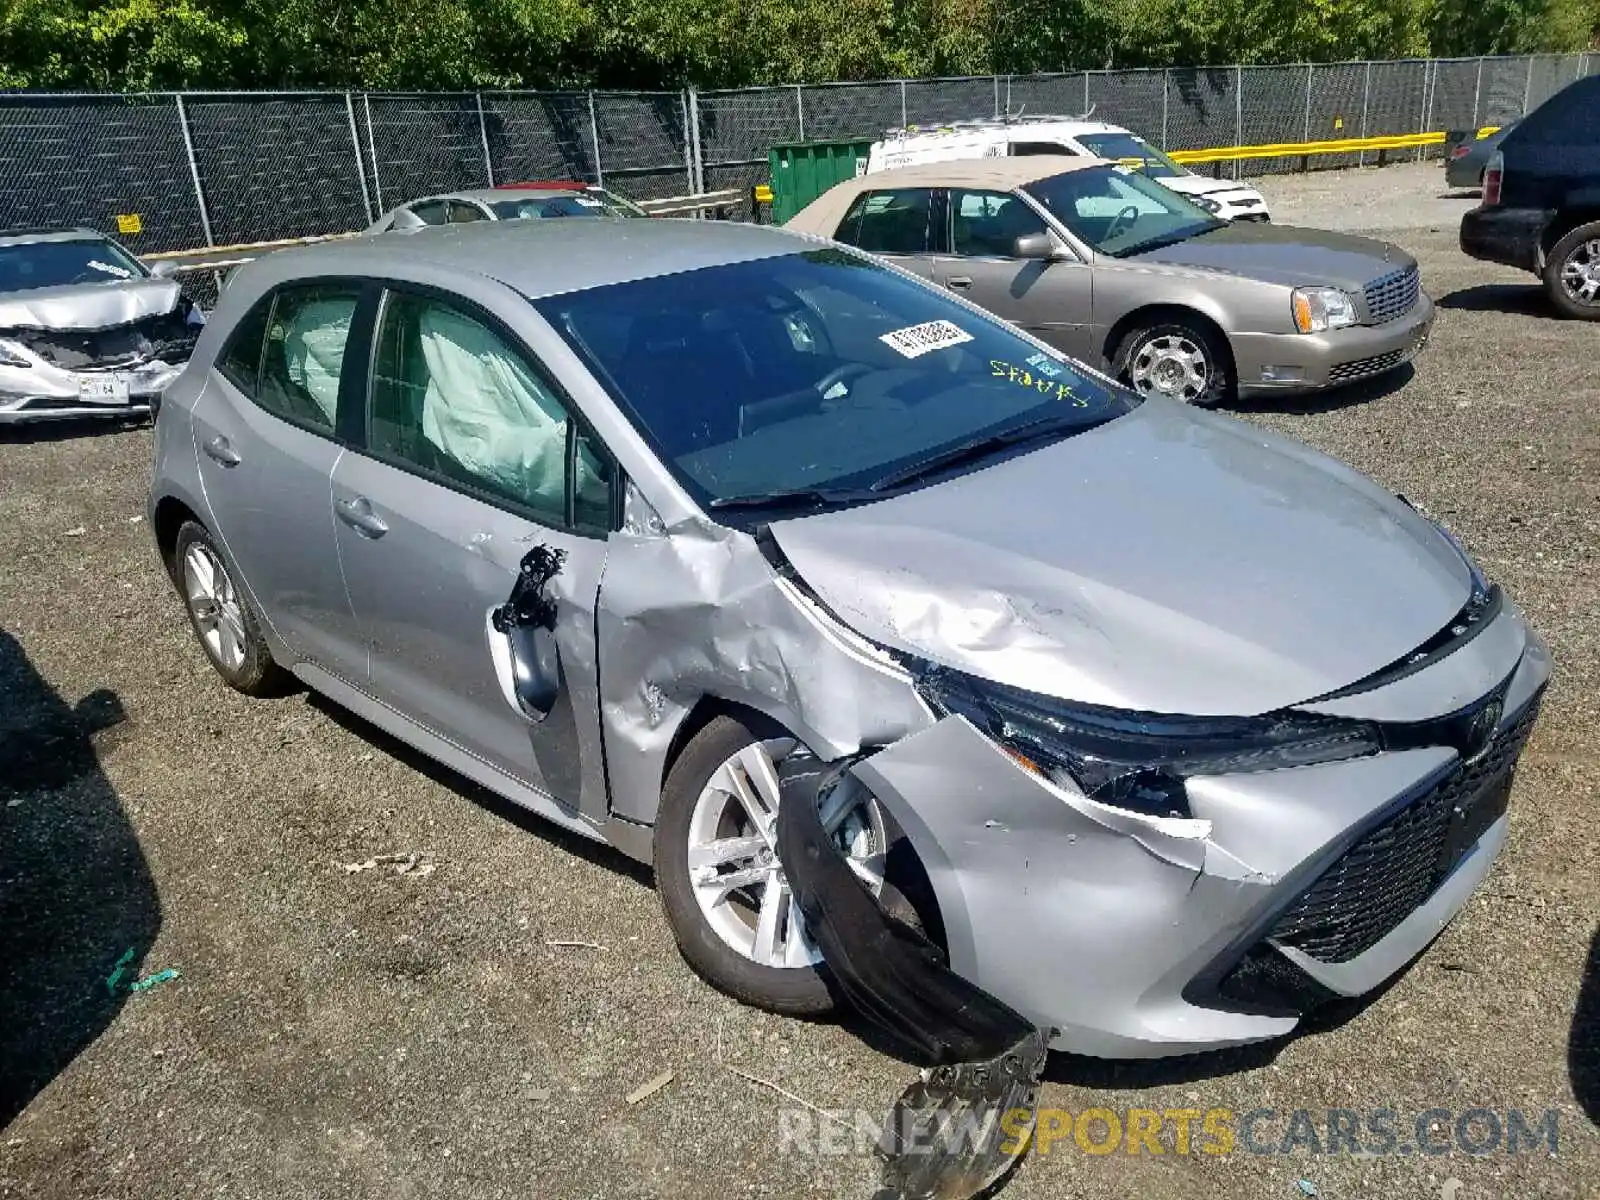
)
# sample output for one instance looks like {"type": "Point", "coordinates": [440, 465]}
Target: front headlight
{"type": "Point", "coordinates": [1319, 309]}
{"type": "Point", "coordinates": [1207, 203]}
{"type": "Point", "coordinates": [1139, 761]}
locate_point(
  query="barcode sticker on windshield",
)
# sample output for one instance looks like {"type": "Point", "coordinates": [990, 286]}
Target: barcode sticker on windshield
{"type": "Point", "coordinates": [587, 202]}
{"type": "Point", "coordinates": [915, 340]}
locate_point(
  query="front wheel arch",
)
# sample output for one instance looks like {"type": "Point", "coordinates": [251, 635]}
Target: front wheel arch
{"type": "Point", "coordinates": [1160, 314]}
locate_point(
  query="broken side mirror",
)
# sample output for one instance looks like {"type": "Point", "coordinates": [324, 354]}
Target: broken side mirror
{"type": "Point", "coordinates": [527, 621]}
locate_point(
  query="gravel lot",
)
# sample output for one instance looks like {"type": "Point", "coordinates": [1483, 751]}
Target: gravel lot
{"type": "Point", "coordinates": [395, 1034]}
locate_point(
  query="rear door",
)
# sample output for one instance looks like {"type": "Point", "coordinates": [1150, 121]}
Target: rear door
{"type": "Point", "coordinates": [469, 458]}
{"type": "Point", "coordinates": [1053, 300]}
{"type": "Point", "coordinates": [265, 431]}
{"type": "Point", "coordinates": [901, 225]}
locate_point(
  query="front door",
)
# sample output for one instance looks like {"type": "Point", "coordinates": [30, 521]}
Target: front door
{"type": "Point", "coordinates": [1051, 299]}
{"type": "Point", "coordinates": [264, 433]}
{"type": "Point", "coordinates": [469, 461]}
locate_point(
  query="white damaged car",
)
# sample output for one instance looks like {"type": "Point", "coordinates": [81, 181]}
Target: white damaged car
{"type": "Point", "coordinates": [85, 328]}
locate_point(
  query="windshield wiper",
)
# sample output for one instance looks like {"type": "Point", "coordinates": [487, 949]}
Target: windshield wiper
{"type": "Point", "coordinates": [978, 447]}
{"type": "Point", "coordinates": [779, 498]}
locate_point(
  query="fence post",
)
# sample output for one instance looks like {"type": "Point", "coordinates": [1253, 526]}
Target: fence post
{"type": "Point", "coordinates": [800, 110]}
{"type": "Point", "coordinates": [594, 140]}
{"type": "Point", "coordinates": [1305, 136]}
{"type": "Point", "coordinates": [1166, 86]}
{"type": "Point", "coordinates": [1477, 92]}
{"type": "Point", "coordinates": [1087, 107]}
{"type": "Point", "coordinates": [698, 164]}
{"type": "Point", "coordinates": [1527, 88]}
{"type": "Point", "coordinates": [1430, 78]}
{"type": "Point", "coordinates": [688, 147]}
{"type": "Point", "coordinates": [1238, 113]}
{"type": "Point", "coordinates": [996, 81]}
{"type": "Point", "coordinates": [361, 169]}
{"type": "Point", "coordinates": [372, 149]}
{"type": "Point", "coordinates": [483, 132]}
{"type": "Point", "coordinates": [194, 170]}
{"type": "Point", "coordinates": [903, 121]}
{"type": "Point", "coordinates": [1366, 96]}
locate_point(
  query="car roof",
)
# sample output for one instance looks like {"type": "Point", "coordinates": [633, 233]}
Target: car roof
{"type": "Point", "coordinates": [28, 237]}
{"type": "Point", "coordinates": [538, 258]}
{"type": "Point", "coordinates": [822, 215]}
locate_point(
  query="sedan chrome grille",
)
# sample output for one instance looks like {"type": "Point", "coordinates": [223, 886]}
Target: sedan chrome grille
{"type": "Point", "coordinates": [1385, 876]}
{"type": "Point", "coordinates": [1392, 295]}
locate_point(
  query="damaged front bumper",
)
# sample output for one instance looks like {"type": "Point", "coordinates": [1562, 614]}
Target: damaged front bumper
{"type": "Point", "coordinates": [1133, 936]}
{"type": "Point", "coordinates": [44, 392]}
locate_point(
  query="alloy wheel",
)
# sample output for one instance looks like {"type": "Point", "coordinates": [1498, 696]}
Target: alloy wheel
{"type": "Point", "coordinates": [734, 868]}
{"type": "Point", "coordinates": [1170, 365]}
{"type": "Point", "coordinates": [1580, 274]}
{"type": "Point", "coordinates": [214, 604]}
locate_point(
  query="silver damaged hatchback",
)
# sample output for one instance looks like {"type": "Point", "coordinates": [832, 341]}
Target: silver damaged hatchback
{"type": "Point", "coordinates": [1159, 728]}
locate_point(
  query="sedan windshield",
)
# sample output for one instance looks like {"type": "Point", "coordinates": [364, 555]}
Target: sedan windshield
{"type": "Point", "coordinates": [567, 204]}
{"type": "Point", "coordinates": [1119, 212]}
{"type": "Point", "coordinates": [1133, 152]}
{"type": "Point", "coordinates": [59, 264]}
{"type": "Point", "coordinates": [811, 377]}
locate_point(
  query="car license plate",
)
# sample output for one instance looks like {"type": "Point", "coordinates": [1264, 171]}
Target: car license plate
{"type": "Point", "coordinates": [111, 388]}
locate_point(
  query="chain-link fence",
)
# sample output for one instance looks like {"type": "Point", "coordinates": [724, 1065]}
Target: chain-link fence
{"type": "Point", "coordinates": [216, 169]}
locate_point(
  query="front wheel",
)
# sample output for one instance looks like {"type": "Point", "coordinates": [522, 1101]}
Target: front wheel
{"type": "Point", "coordinates": [1572, 273]}
{"type": "Point", "coordinates": [722, 884]}
{"type": "Point", "coordinates": [1181, 361]}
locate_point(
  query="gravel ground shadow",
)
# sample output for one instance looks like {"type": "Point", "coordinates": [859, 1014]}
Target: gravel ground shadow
{"type": "Point", "coordinates": [1583, 1046]}
{"type": "Point", "coordinates": [75, 891]}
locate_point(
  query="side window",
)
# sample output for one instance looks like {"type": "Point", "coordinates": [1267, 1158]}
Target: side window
{"type": "Point", "coordinates": [896, 222]}
{"type": "Point", "coordinates": [988, 224]}
{"type": "Point", "coordinates": [1571, 117]}
{"type": "Point", "coordinates": [300, 355]}
{"type": "Point", "coordinates": [453, 399]}
{"type": "Point", "coordinates": [1058, 149]}
{"type": "Point", "coordinates": [241, 358]}
{"type": "Point", "coordinates": [461, 212]}
{"type": "Point", "coordinates": [431, 211]}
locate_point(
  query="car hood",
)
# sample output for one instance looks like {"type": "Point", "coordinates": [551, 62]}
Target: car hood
{"type": "Point", "coordinates": [1283, 254]}
{"type": "Point", "coordinates": [1171, 561]}
{"type": "Point", "coordinates": [88, 305]}
{"type": "Point", "coordinates": [1204, 185]}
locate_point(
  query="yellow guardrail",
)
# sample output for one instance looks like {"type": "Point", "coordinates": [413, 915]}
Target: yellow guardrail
{"type": "Point", "coordinates": [1401, 141]}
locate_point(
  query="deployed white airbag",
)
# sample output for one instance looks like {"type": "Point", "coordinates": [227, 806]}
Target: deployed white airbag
{"type": "Point", "coordinates": [313, 349]}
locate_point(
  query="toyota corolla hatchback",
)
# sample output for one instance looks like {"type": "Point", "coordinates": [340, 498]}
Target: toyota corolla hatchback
{"type": "Point", "coordinates": [1161, 728]}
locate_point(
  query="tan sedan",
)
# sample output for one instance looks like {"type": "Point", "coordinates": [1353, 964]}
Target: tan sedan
{"type": "Point", "coordinates": [1116, 270]}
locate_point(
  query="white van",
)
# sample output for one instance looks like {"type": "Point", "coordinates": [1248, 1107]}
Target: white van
{"type": "Point", "coordinates": [1002, 136]}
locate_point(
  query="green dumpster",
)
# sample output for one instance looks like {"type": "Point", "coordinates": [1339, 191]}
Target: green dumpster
{"type": "Point", "coordinates": [802, 171]}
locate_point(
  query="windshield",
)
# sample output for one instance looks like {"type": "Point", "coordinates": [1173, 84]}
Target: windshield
{"type": "Point", "coordinates": [58, 264]}
{"type": "Point", "coordinates": [567, 204]}
{"type": "Point", "coordinates": [815, 370]}
{"type": "Point", "coordinates": [1119, 212]}
{"type": "Point", "coordinates": [1133, 152]}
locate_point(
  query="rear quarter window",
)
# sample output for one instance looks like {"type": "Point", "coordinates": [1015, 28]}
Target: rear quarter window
{"type": "Point", "coordinates": [1569, 118]}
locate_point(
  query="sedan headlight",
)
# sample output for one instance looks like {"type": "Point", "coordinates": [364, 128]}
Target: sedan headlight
{"type": "Point", "coordinates": [1139, 761]}
{"type": "Point", "coordinates": [1207, 203]}
{"type": "Point", "coordinates": [11, 355]}
{"type": "Point", "coordinates": [1316, 310]}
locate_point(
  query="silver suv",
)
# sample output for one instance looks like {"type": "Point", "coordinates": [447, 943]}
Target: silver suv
{"type": "Point", "coordinates": [1160, 728]}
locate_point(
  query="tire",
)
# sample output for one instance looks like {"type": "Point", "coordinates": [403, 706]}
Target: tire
{"type": "Point", "coordinates": [1572, 273]}
{"type": "Point", "coordinates": [220, 614]}
{"type": "Point", "coordinates": [1140, 363]}
{"type": "Point", "coordinates": [721, 939]}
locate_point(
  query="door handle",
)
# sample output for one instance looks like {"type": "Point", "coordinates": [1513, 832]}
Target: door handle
{"type": "Point", "coordinates": [221, 450]}
{"type": "Point", "coordinates": [958, 281]}
{"type": "Point", "coordinates": [358, 514]}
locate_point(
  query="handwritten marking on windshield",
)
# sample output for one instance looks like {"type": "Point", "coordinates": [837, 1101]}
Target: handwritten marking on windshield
{"type": "Point", "coordinates": [1022, 377]}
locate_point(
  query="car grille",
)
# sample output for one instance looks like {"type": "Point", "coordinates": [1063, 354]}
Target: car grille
{"type": "Point", "coordinates": [1382, 879]}
{"type": "Point", "coordinates": [1392, 295]}
{"type": "Point", "coordinates": [1362, 367]}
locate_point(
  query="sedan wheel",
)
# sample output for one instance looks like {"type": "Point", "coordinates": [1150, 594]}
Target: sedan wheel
{"type": "Point", "coordinates": [1176, 361]}
{"type": "Point", "coordinates": [718, 870]}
